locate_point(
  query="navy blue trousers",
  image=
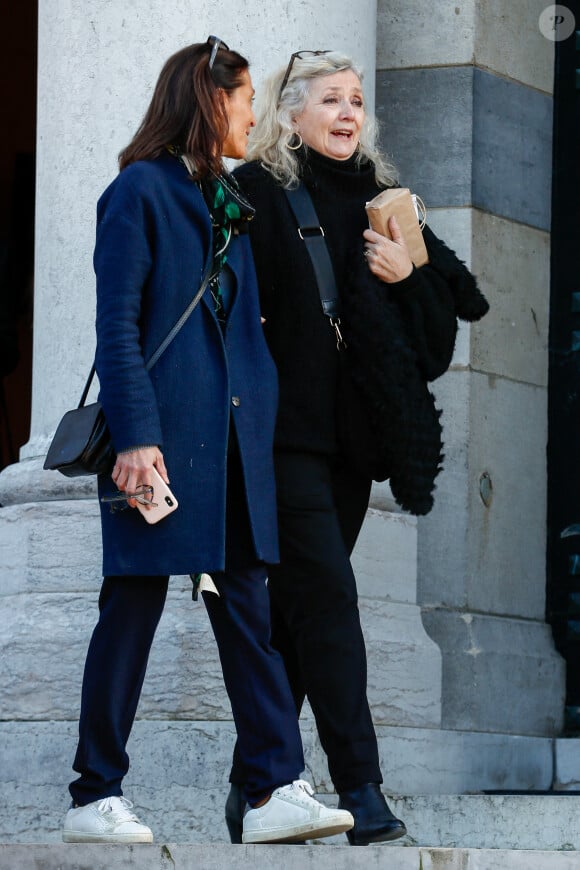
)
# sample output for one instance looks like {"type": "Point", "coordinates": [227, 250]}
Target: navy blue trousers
{"type": "Point", "coordinates": [262, 705]}
{"type": "Point", "coordinates": [263, 708]}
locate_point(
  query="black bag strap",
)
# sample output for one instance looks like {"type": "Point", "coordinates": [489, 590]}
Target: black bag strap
{"type": "Point", "coordinates": [312, 235]}
{"type": "Point", "coordinates": [168, 338]}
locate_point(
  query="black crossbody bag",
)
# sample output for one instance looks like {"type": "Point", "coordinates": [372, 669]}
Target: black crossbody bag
{"type": "Point", "coordinates": [82, 442]}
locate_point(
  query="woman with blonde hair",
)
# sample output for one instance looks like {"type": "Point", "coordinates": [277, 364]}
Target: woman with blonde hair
{"type": "Point", "coordinates": [314, 134]}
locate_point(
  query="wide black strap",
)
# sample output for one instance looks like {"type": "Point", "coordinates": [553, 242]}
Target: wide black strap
{"type": "Point", "coordinates": [168, 338]}
{"type": "Point", "coordinates": [312, 234]}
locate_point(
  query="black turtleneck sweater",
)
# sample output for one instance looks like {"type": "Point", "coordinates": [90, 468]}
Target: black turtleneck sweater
{"type": "Point", "coordinates": [411, 323]}
{"type": "Point", "coordinates": [299, 335]}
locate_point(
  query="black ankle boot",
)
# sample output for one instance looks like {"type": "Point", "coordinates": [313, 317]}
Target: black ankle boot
{"type": "Point", "coordinates": [373, 820]}
{"type": "Point", "coordinates": [235, 806]}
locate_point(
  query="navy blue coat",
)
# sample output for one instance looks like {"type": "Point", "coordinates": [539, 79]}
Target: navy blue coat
{"type": "Point", "coordinates": [153, 245]}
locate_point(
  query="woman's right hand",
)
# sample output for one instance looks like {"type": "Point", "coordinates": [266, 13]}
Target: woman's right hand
{"type": "Point", "coordinates": [133, 469]}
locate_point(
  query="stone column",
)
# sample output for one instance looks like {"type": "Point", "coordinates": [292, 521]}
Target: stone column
{"type": "Point", "coordinates": [464, 94]}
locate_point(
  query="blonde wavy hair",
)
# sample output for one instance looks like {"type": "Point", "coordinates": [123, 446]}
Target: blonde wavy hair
{"type": "Point", "coordinates": [271, 139]}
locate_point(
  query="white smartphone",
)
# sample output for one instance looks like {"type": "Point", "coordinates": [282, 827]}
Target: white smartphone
{"type": "Point", "coordinates": [164, 500]}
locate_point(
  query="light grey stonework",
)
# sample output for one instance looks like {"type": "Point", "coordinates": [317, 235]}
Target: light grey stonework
{"type": "Point", "coordinates": [513, 264]}
{"type": "Point", "coordinates": [486, 660]}
{"type": "Point", "coordinates": [464, 136]}
{"type": "Point", "coordinates": [489, 559]}
{"type": "Point", "coordinates": [179, 777]}
{"type": "Point", "coordinates": [426, 124]}
{"type": "Point", "coordinates": [53, 550]}
{"type": "Point", "coordinates": [567, 764]}
{"type": "Point", "coordinates": [512, 150]}
{"type": "Point", "coordinates": [509, 41]}
{"type": "Point", "coordinates": [174, 856]}
{"type": "Point", "coordinates": [467, 117]}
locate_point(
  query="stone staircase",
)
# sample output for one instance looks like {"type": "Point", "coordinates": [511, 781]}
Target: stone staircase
{"type": "Point", "coordinates": [205, 857]}
{"type": "Point", "coordinates": [447, 832]}
{"type": "Point", "coordinates": [181, 743]}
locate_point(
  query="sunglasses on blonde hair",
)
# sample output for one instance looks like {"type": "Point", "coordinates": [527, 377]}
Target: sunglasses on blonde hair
{"type": "Point", "coordinates": [300, 55]}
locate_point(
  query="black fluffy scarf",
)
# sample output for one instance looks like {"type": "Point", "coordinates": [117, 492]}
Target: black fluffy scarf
{"type": "Point", "coordinates": [385, 363]}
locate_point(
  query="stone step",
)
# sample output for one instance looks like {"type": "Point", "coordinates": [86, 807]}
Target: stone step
{"type": "Point", "coordinates": [178, 778]}
{"type": "Point", "coordinates": [535, 822]}
{"type": "Point", "coordinates": [211, 857]}
{"type": "Point", "coordinates": [182, 799]}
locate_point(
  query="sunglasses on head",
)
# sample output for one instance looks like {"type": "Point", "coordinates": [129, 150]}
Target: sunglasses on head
{"type": "Point", "coordinates": [215, 44]}
{"type": "Point", "coordinates": [298, 55]}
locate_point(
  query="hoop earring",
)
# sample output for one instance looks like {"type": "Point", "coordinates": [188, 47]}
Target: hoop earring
{"type": "Point", "coordinates": [296, 147]}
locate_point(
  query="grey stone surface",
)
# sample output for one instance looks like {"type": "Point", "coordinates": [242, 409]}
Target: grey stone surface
{"type": "Point", "coordinates": [455, 227]}
{"type": "Point", "coordinates": [487, 558]}
{"type": "Point", "coordinates": [494, 821]}
{"type": "Point", "coordinates": [44, 637]}
{"type": "Point", "coordinates": [491, 821]}
{"type": "Point", "coordinates": [512, 262]}
{"type": "Point", "coordinates": [507, 538]}
{"type": "Point", "coordinates": [442, 541]}
{"type": "Point", "coordinates": [25, 481]}
{"type": "Point", "coordinates": [178, 776]}
{"type": "Point", "coordinates": [567, 764]}
{"type": "Point", "coordinates": [418, 34]}
{"type": "Point", "coordinates": [512, 150]}
{"type": "Point", "coordinates": [48, 547]}
{"type": "Point", "coordinates": [175, 856]}
{"type": "Point", "coordinates": [509, 42]}
{"type": "Point", "coordinates": [52, 549]}
{"type": "Point", "coordinates": [461, 136]}
{"type": "Point", "coordinates": [385, 557]}
{"type": "Point", "coordinates": [487, 662]}
{"type": "Point", "coordinates": [43, 643]}
{"type": "Point", "coordinates": [404, 666]}
{"type": "Point", "coordinates": [419, 761]}
{"type": "Point", "coordinates": [426, 121]}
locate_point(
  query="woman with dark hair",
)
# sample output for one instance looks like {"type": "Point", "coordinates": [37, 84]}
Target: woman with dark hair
{"type": "Point", "coordinates": [205, 411]}
{"type": "Point", "coordinates": [314, 134]}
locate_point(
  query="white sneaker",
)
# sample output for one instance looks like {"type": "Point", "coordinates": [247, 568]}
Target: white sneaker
{"type": "Point", "coordinates": [293, 814]}
{"type": "Point", "coordinates": [109, 820]}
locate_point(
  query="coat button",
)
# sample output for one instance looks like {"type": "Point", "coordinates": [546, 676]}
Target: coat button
{"type": "Point", "coordinates": [236, 401]}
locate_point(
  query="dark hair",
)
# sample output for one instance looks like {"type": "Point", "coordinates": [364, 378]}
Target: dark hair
{"type": "Point", "coordinates": [187, 108]}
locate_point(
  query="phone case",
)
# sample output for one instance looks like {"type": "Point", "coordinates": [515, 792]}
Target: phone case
{"type": "Point", "coordinates": [164, 499]}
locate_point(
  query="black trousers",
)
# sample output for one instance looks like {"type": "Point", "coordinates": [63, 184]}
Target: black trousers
{"type": "Point", "coordinates": [314, 610]}
{"type": "Point", "coordinates": [130, 608]}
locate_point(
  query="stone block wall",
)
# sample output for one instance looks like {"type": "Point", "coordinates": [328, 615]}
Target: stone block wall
{"type": "Point", "coordinates": [464, 99]}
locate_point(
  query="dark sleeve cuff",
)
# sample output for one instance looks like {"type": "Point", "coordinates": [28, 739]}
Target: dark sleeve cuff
{"type": "Point", "coordinates": [407, 285]}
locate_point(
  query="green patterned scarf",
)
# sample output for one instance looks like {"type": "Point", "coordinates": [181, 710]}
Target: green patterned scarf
{"type": "Point", "coordinates": [230, 213]}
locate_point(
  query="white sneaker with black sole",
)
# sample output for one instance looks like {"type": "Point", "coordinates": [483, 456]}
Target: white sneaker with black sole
{"type": "Point", "coordinates": [292, 814]}
{"type": "Point", "coordinates": [109, 820]}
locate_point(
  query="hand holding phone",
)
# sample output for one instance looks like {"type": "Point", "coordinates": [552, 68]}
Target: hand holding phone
{"type": "Point", "coordinates": [163, 502]}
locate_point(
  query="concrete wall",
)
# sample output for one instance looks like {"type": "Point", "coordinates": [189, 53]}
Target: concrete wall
{"type": "Point", "coordinates": [97, 66]}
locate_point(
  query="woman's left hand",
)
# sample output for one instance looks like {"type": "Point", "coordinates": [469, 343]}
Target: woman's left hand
{"type": "Point", "coordinates": [388, 260]}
